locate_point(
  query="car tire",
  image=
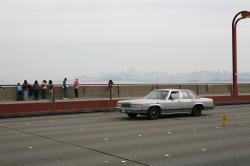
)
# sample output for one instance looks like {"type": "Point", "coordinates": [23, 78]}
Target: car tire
{"type": "Point", "coordinates": [132, 115]}
{"type": "Point", "coordinates": [154, 113]}
{"type": "Point", "coordinates": [197, 110]}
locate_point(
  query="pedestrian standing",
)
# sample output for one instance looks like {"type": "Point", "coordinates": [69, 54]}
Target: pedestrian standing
{"type": "Point", "coordinates": [25, 90]}
{"type": "Point", "coordinates": [110, 86]}
{"type": "Point", "coordinates": [36, 89]}
{"type": "Point", "coordinates": [19, 92]}
{"type": "Point", "coordinates": [44, 89]}
{"type": "Point", "coordinates": [51, 91]}
{"type": "Point", "coordinates": [30, 90]}
{"type": "Point", "coordinates": [65, 89]}
{"type": "Point", "coordinates": [76, 87]}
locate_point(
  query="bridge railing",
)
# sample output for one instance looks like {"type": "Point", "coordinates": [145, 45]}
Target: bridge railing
{"type": "Point", "coordinates": [102, 91]}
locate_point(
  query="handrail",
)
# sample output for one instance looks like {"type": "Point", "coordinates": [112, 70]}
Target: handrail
{"type": "Point", "coordinates": [131, 84]}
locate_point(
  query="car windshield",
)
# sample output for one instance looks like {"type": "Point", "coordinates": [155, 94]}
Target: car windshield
{"type": "Point", "coordinates": [157, 95]}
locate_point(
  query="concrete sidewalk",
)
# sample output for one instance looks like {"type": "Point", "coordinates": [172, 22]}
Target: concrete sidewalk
{"type": "Point", "coordinates": [64, 100]}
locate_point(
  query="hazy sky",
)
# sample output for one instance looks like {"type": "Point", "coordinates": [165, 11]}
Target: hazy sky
{"type": "Point", "coordinates": [53, 39]}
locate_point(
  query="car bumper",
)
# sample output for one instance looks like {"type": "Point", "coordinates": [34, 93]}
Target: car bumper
{"type": "Point", "coordinates": [130, 110]}
{"type": "Point", "coordinates": [209, 108]}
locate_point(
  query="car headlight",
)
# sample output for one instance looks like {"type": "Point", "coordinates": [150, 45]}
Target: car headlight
{"type": "Point", "coordinates": [137, 106]}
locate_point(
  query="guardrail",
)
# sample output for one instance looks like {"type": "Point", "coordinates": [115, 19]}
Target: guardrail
{"type": "Point", "coordinates": [101, 96]}
{"type": "Point", "coordinates": [97, 91]}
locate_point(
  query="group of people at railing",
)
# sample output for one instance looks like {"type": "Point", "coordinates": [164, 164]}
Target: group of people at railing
{"type": "Point", "coordinates": [44, 90]}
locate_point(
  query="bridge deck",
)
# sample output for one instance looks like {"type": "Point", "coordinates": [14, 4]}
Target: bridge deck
{"type": "Point", "coordinates": [110, 138]}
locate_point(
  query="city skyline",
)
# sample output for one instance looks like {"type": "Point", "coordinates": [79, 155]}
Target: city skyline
{"type": "Point", "coordinates": [138, 76]}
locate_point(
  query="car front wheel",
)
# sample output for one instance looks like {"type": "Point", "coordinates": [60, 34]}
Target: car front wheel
{"type": "Point", "coordinates": [154, 113]}
{"type": "Point", "coordinates": [196, 111]}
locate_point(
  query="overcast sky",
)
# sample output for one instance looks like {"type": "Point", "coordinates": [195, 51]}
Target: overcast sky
{"type": "Point", "coordinates": [53, 39]}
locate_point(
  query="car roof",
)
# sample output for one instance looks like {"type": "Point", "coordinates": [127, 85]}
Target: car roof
{"type": "Point", "coordinates": [172, 89]}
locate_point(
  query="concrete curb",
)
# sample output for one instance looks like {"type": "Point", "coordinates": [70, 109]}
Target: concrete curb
{"type": "Point", "coordinates": [85, 111]}
{"type": "Point", "coordinates": [56, 113]}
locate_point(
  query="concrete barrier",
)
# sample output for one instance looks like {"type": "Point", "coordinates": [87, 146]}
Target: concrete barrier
{"type": "Point", "coordinates": [190, 87]}
{"type": "Point", "coordinates": [95, 92]}
{"type": "Point", "coordinates": [134, 91]}
{"type": "Point", "coordinates": [7, 93]}
{"type": "Point", "coordinates": [214, 90]}
{"type": "Point", "coordinates": [219, 89]}
{"type": "Point", "coordinates": [170, 86]}
{"type": "Point", "coordinates": [244, 89]}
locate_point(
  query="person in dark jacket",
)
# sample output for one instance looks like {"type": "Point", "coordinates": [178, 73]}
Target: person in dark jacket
{"type": "Point", "coordinates": [110, 84]}
{"type": "Point", "coordinates": [65, 89]}
{"type": "Point", "coordinates": [25, 90]}
{"type": "Point", "coordinates": [30, 90]}
{"type": "Point", "coordinates": [36, 89]}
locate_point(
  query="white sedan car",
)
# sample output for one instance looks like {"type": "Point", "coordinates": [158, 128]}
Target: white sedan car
{"type": "Point", "coordinates": [162, 101]}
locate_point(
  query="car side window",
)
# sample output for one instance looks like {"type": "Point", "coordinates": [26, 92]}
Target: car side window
{"type": "Point", "coordinates": [174, 95]}
{"type": "Point", "coordinates": [164, 95]}
{"type": "Point", "coordinates": [186, 95]}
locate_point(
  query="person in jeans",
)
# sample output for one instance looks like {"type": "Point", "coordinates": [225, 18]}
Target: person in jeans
{"type": "Point", "coordinates": [76, 87]}
{"type": "Point", "coordinates": [25, 90]}
{"type": "Point", "coordinates": [19, 92]}
{"type": "Point", "coordinates": [65, 89]}
{"type": "Point", "coordinates": [51, 91]}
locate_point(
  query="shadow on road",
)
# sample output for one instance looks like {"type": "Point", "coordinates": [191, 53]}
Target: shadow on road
{"type": "Point", "coordinates": [164, 116]}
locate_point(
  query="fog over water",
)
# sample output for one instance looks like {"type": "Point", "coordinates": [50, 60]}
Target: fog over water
{"type": "Point", "coordinates": [53, 39]}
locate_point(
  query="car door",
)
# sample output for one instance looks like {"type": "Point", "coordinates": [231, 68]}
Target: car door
{"type": "Point", "coordinates": [173, 102]}
{"type": "Point", "coordinates": [187, 100]}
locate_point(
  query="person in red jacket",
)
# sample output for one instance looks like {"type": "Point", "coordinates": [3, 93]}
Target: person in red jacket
{"type": "Point", "coordinates": [76, 87]}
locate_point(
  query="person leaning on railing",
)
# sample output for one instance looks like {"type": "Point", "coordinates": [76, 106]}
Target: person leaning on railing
{"type": "Point", "coordinates": [44, 89]}
{"type": "Point", "coordinates": [25, 90]}
{"type": "Point", "coordinates": [76, 87]}
{"type": "Point", "coordinates": [19, 92]}
{"type": "Point", "coordinates": [51, 91]}
{"type": "Point", "coordinates": [36, 89]}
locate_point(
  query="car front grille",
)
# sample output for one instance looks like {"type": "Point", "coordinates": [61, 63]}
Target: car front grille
{"type": "Point", "coordinates": [126, 105]}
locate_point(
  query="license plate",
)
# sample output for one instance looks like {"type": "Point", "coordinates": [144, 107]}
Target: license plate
{"type": "Point", "coordinates": [123, 111]}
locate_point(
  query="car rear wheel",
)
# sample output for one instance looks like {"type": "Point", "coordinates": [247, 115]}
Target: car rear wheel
{"type": "Point", "coordinates": [154, 113]}
{"type": "Point", "coordinates": [196, 111]}
{"type": "Point", "coordinates": [132, 115]}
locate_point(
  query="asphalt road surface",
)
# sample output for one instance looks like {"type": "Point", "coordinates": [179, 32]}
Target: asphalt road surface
{"type": "Point", "coordinates": [112, 139]}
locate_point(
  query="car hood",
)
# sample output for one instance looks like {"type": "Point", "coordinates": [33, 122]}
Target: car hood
{"type": "Point", "coordinates": [140, 101]}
